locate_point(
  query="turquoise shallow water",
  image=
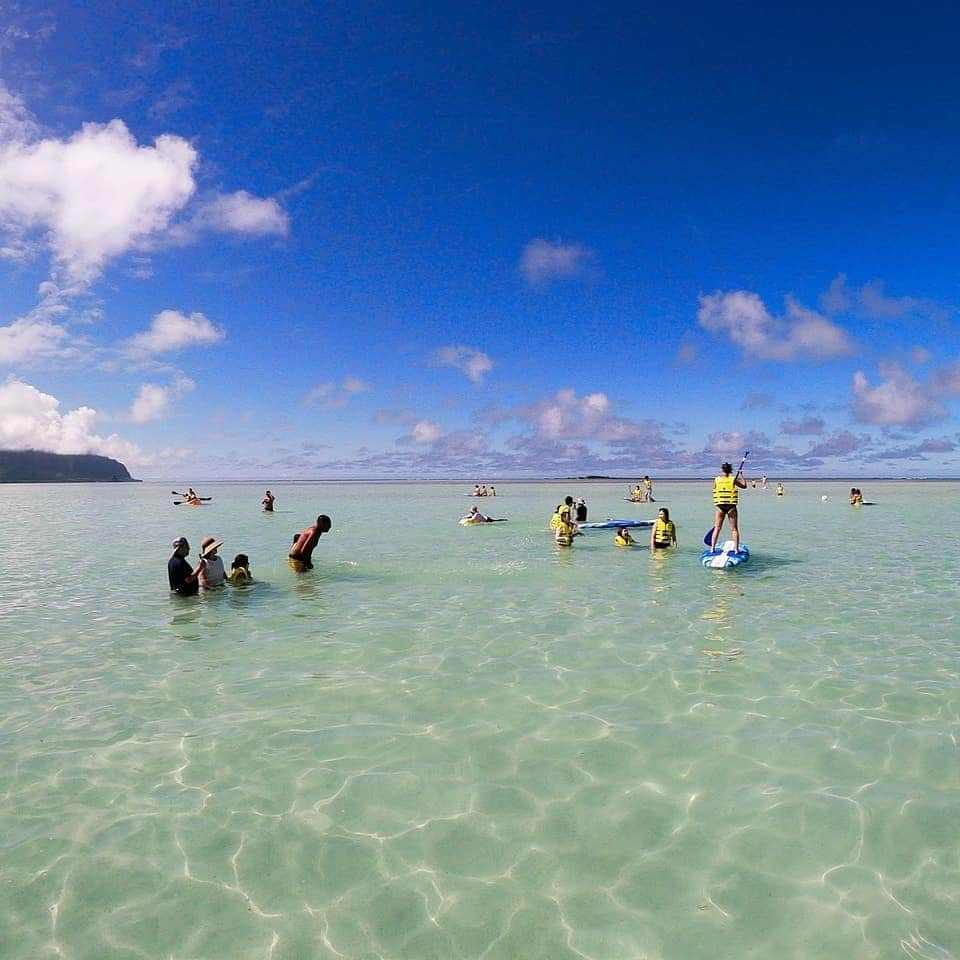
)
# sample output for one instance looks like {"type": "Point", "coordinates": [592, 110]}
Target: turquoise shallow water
{"type": "Point", "coordinates": [452, 742]}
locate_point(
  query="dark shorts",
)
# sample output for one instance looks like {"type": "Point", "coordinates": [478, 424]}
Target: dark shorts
{"type": "Point", "coordinates": [725, 508]}
{"type": "Point", "coordinates": [661, 546]}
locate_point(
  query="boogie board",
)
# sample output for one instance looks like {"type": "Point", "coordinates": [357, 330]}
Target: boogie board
{"type": "Point", "coordinates": [613, 524]}
{"type": "Point", "coordinates": [725, 556]}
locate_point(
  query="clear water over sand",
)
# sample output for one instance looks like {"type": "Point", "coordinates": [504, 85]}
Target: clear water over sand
{"type": "Point", "coordinates": [451, 742]}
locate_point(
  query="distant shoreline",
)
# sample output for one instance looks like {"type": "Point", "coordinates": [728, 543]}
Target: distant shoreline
{"type": "Point", "coordinates": [504, 481]}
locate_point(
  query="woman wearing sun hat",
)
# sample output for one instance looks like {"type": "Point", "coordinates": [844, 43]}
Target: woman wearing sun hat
{"type": "Point", "coordinates": [212, 574]}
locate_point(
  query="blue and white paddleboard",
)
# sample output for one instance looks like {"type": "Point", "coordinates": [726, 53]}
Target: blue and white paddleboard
{"type": "Point", "coordinates": [611, 524]}
{"type": "Point", "coordinates": [725, 556]}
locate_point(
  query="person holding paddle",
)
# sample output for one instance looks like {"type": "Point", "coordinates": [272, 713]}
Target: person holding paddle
{"type": "Point", "coordinates": [725, 495]}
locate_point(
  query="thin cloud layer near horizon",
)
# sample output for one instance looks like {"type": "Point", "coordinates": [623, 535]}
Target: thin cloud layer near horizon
{"type": "Point", "coordinates": [421, 242]}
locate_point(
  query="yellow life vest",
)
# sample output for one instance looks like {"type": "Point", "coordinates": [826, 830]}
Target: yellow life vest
{"type": "Point", "coordinates": [621, 542]}
{"type": "Point", "coordinates": [240, 575]}
{"type": "Point", "coordinates": [663, 531]}
{"type": "Point", "coordinates": [555, 521]}
{"type": "Point", "coordinates": [564, 532]}
{"type": "Point", "coordinates": [724, 490]}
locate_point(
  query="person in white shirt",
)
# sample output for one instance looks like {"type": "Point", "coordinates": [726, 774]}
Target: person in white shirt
{"type": "Point", "coordinates": [212, 574]}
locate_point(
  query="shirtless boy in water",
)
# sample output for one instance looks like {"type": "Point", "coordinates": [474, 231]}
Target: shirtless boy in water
{"type": "Point", "coordinates": [302, 550]}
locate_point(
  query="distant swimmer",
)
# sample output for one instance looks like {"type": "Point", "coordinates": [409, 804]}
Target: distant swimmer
{"type": "Point", "coordinates": [637, 494]}
{"type": "Point", "coordinates": [184, 579]}
{"type": "Point", "coordinates": [663, 534]}
{"type": "Point", "coordinates": [240, 570]}
{"type": "Point", "coordinates": [213, 573]}
{"type": "Point", "coordinates": [856, 497]}
{"type": "Point", "coordinates": [580, 511]}
{"type": "Point", "coordinates": [268, 501]}
{"type": "Point", "coordinates": [726, 488]}
{"type": "Point", "coordinates": [623, 538]}
{"type": "Point", "coordinates": [779, 489]}
{"type": "Point", "coordinates": [493, 490]}
{"type": "Point", "coordinates": [475, 516]}
{"type": "Point", "coordinates": [647, 490]}
{"type": "Point", "coordinates": [299, 557]}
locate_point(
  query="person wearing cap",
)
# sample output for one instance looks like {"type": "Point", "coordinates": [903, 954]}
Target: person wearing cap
{"type": "Point", "coordinates": [212, 573]}
{"type": "Point", "coordinates": [184, 580]}
{"type": "Point", "coordinates": [301, 552]}
{"type": "Point", "coordinates": [580, 511]}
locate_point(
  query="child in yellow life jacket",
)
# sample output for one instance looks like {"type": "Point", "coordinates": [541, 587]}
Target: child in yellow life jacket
{"type": "Point", "coordinates": [664, 531]}
{"type": "Point", "coordinates": [623, 538]}
{"type": "Point", "coordinates": [565, 530]}
{"type": "Point", "coordinates": [240, 570]}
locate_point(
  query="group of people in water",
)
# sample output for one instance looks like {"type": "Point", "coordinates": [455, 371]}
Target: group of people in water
{"type": "Point", "coordinates": [642, 492]}
{"type": "Point", "coordinates": [210, 573]}
{"type": "Point", "coordinates": [480, 490]}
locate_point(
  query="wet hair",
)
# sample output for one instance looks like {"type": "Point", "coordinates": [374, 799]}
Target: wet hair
{"type": "Point", "coordinates": [240, 560]}
{"type": "Point", "coordinates": [324, 523]}
{"type": "Point", "coordinates": [726, 467]}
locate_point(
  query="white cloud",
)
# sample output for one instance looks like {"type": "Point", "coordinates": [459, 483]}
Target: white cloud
{"type": "Point", "coordinates": [567, 416]}
{"type": "Point", "coordinates": [728, 445]}
{"type": "Point", "coordinates": [335, 396]}
{"type": "Point", "coordinates": [474, 363]}
{"type": "Point", "coordinates": [171, 330]}
{"type": "Point", "coordinates": [30, 337]}
{"type": "Point", "coordinates": [98, 195]}
{"type": "Point", "coordinates": [242, 212]}
{"type": "Point", "coordinates": [95, 195]}
{"type": "Point", "coordinates": [898, 399]}
{"type": "Point", "coordinates": [31, 420]}
{"type": "Point", "coordinates": [154, 402]}
{"type": "Point", "coordinates": [872, 303]}
{"type": "Point", "coordinates": [425, 432]}
{"type": "Point", "coordinates": [800, 334]}
{"type": "Point", "coordinates": [16, 123]}
{"type": "Point", "coordinates": [542, 262]}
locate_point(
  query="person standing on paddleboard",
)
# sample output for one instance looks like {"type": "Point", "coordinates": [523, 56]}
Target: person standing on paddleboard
{"type": "Point", "coordinates": [725, 494]}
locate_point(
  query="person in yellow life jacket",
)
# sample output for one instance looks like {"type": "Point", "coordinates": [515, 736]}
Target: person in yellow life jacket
{"type": "Point", "coordinates": [637, 495]}
{"type": "Point", "coordinates": [240, 570]}
{"type": "Point", "coordinates": [647, 490]}
{"type": "Point", "coordinates": [664, 531]}
{"type": "Point", "coordinates": [725, 494]}
{"type": "Point", "coordinates": [565, 530]}
{"type": "Point", "coordinates": [623, 538]}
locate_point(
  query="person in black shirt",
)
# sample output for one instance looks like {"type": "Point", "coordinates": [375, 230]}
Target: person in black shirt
{"type": "Point", "coordinates": [184, 580]}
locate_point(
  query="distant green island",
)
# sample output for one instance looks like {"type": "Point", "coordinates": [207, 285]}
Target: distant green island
{"type": "Point", "coordinates": [35, 466]}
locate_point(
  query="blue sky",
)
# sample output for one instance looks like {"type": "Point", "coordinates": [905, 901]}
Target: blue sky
{"type": "Point", "coordinates": [294, 241]}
